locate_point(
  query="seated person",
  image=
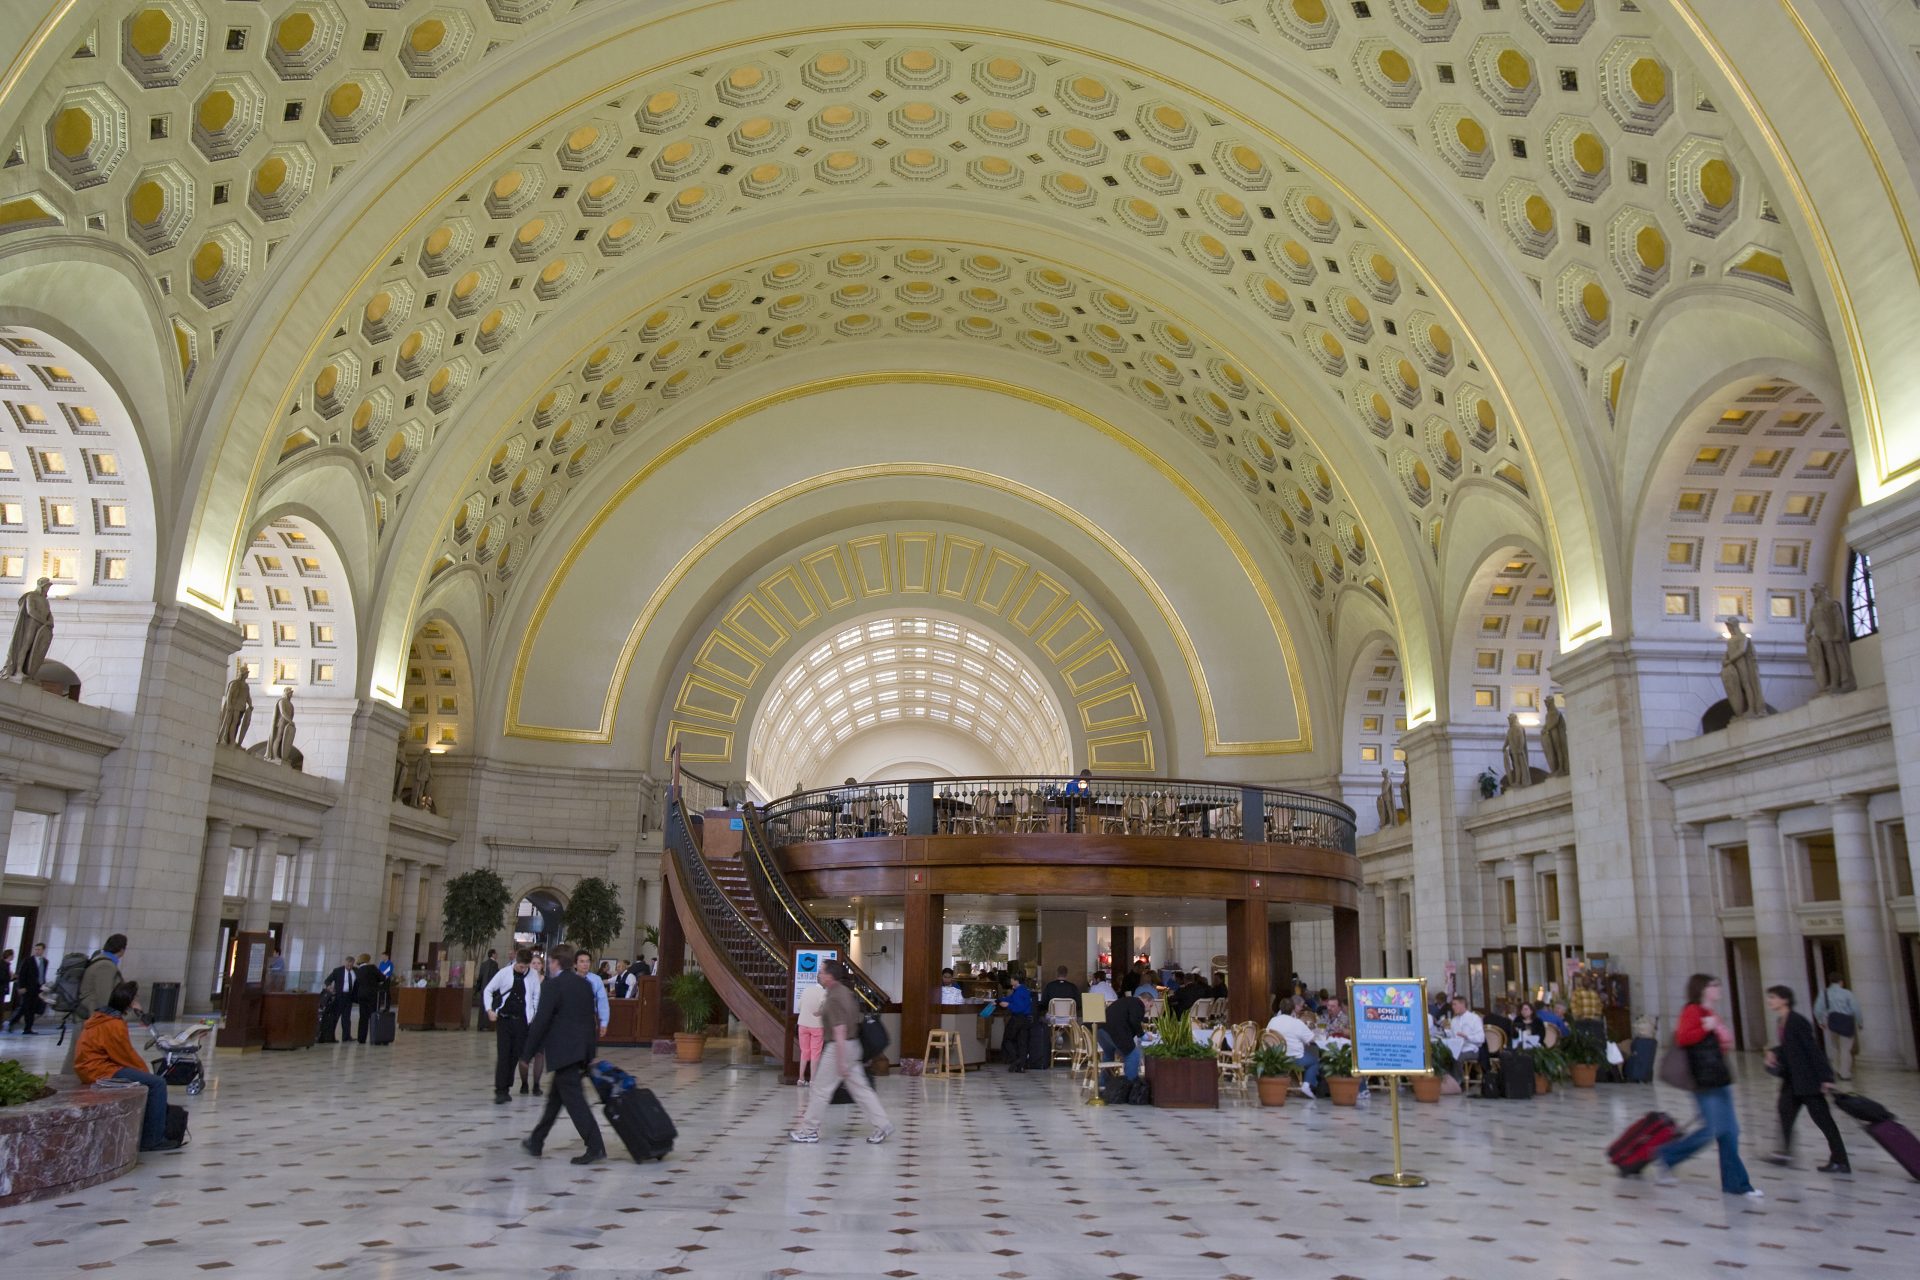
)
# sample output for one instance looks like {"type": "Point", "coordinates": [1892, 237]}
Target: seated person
{"type": "Point", "coordinates": [1291, 1026]}
{"type": "Point", "coordinates": [1466, 1034]}
{"type": "Point", "coordinates": [1061, 988]}
{"type": "Point", "coordinates": [1334, 1020]}
{"type": "Point", "coordinates": [950, 992]}
{"type": "Point", "coordinates": [1120, 1037]}
{"type": "Point", "coordinates": [1555, 1015]}
{"type": "Point", "coordinates": [1191, 989]}
{"type": "Point", "coordinates": [104, 1051]}
{"type": "Point", "coordinates": [1219, 988]}
{"type": "Point", "coordinates": [1103, 988]}
{"type": "Point", "coordinates": [1080, 786]}
{"type": "Point", "coordinates": [1529, 1030]}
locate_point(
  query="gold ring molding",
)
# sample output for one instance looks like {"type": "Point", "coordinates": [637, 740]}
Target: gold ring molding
{"type": "Point", "coordinates": [1196, 673]}
{"type": "Point", "coordinates": [773, 39]}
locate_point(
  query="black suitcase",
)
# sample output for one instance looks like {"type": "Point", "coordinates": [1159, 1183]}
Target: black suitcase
{"type": "Point", "coordinates": [384, 1023]}
{"type": "Point", "coordinates": [643, 1124]}
{"type": "Point", "coordinates": [1115, 1090]}
{"type": "Point", "coordinates": [1039, 1046]}
{"type": "Point", "coordinates": [1516, 1074]}
{"type": "Point", "coordinates": [1638, 1068]}
{"type": "Point", "coordinates": [842, 1096]}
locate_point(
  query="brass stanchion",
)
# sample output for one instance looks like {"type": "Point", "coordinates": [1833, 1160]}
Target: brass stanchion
{"type": "Point", "coordinates": [1399, 1177]}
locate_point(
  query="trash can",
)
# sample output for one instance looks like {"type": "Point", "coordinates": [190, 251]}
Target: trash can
{"type": "Point", "coordinates": [163, 1002]}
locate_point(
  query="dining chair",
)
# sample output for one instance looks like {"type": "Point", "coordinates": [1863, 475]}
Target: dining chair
{"type": "Point", "coordinates": [986, 812]}
{"type": "Point", "coordinates": [1027, 812]}
{"type": "Point", "coordinates": [893, 819]}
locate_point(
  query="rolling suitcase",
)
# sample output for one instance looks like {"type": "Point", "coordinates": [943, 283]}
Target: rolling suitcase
{"type": "Point", "coordinates": [1039, 1046]}
{"type": "Point", "coordinates": [1516, 1075]}
{"type": "Point", "coordinates": [1898, 1141]}
{"type": "Point", "coordinates": [1638, 1068]}
{"type": "Point", "coordinates": [384, 1023]}
{"type": "Point", "coordinates": [643, 1124]}
{"type": "Point", "coordinates": [1634, 1150]}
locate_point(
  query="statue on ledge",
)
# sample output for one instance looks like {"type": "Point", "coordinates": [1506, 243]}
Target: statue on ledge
{"type": "Point", "coordinates": [1740, 675]}
{"type": "Point", "coordinates": [1513, 754]}
{"type": "Point", "coordinates": [422, 798]}
{"type": "Point", "coordinates": [280, 741]}
{"type": "Point", "coordinates": [236, 709]}
{"type": "Point", "coordinates": [1553, 740]}
{"type": "Point", "coordinates": [32, 633]}
{"type": "Point", "coordinates": [1383, 803]}
{"type": "Point", "coordinates": [1828, 643]}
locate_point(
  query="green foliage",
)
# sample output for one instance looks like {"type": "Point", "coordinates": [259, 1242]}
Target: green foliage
{"type": "Point", "coordinates": [1274, 1060]}
{"type": "Point", "coordinates": [475, 910]}
{"type": "Point", "coordinates": [595, 917]}
{"type": "Point", "coordinates": [651, 936]}
{"type": "Point", "coordinates": [695, 998]}
{"type": "Point", "coordinates": [1176, 1038]}
{"type": "Point", "coordinates": [1442, 1057]}
{"type": "Point", "coordinates": [1551, 1063]}
{"type": "Point", "coordinates": [1583, 1050]}
{"type": "Point", "coordinates": [18, 1085]}
{"type": "Point", "coordinates": [982, 942]}
{"type": "Point", "coordinates": [1336, 1060]}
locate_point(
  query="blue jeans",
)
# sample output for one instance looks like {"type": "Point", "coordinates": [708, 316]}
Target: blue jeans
{"type": "Point", "coordinates": [1717, 1124]}
{"type": "Point", "coordinates": [153, 1129]}
{"type": "Point", "coordinates": [1130, 1067]}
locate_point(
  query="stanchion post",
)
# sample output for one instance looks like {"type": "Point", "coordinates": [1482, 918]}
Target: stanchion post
{"type": "Point", "coordinates": [1391, 1030]}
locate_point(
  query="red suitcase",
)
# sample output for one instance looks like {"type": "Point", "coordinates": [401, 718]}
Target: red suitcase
{"type": "Point", "coordinates": [1899, 1142]}
{"type": "Point", "coordinates": [1634, 1150]}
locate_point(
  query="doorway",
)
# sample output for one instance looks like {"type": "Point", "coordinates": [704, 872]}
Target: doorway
{"type": "Point", "coordinates": [16, 932]}
{"type": "Point", "coordinates": [1744, 997]}
{"type": "Point", "coordinates": [1825, 958]}
{"type": "Point", "coordinates": [541, 920]}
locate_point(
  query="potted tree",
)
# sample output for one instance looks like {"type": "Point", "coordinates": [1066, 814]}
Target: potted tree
{"type": "Point", "coordinates": [1585, 1055]}
{"type": "Point", "coordinates": [695, 999]}
{"type": "Point", "coordinates": [595, 916]}
{"type": "Point", "coordinates": [1427, 1087]}
{"type": "Point", "coordinates": [1336, 1072]}
{"type": "Point", "coordinates": [473, 913]}
{"type": "Point", "coordinates": [1180, 1071]}
{"type": "Point", "coordinates": [1274, 1074]}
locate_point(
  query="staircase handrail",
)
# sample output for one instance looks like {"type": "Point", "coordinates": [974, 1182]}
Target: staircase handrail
{"type": "Point", "coordinates": [792, 922]}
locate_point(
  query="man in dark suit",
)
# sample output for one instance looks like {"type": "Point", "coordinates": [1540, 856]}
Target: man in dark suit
{"type": "Point", "coordinates": [1806, 1078]}
{"type": "Point", "coordinates": [564, 1028]}
{"type": "Point", "coordinates": [340, 1001]}
{"type": "Point", "coordinates": [367, 986]}
{"type": "Point", "coordinates": [32, 976]}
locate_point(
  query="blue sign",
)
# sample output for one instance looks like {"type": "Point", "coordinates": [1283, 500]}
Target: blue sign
{"type": "Point", "coordinates": [1389, 1027]}
{"type": "Point", "coordinates": [736, 824]}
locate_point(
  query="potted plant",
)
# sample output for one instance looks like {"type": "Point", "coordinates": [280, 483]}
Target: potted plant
{"type": "Point", "coordinates": [1549, 1069]}
{"type": "Point", "coordinates": [695, 999]}
{"type": "Point", "coordinates": [1489, 784]}
{"type": "Point", "coordinates": [1585, 1055]}
{"type": "Point", "coordinates": [1427, 1087]}
{"type": "Point", "coordinates": [1180, 1071]}
{"type": "Point", "coordinates": [595, 916]}
{"type": "Point", "coordinates": [472, 914]}
{"type": "Point", "coordinates": [1274, 1074]}
{"type": "Point", "coordinates": [1336, 1072]}
{"type": "Point", "coordinates": [19, 1085]}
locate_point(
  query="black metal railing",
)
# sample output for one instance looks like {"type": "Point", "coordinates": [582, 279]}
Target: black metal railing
{"type": "Point", "coordinates": [788, 918]}
{"type": "Point", "coordinates": [754, 956]}
{"type": "Point", "coordinates": [1024, 804]}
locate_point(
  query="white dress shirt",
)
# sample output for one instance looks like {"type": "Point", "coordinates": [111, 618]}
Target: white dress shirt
{"type": "Point", "coordinates": [1467, 1030]}
{"type": "Point", "coordinates": [1104, 990]}
{"type": "Point", "coordinates": [1296, 1033]}
{"type": "Point", "coordinates": [502, 984]}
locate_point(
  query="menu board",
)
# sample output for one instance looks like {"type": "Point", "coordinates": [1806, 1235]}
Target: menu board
{"type": "Point", "coordinates": [1389, 1026]}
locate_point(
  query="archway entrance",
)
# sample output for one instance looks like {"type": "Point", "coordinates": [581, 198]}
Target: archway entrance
{"type": "Point", "coordinates": [540, 920]}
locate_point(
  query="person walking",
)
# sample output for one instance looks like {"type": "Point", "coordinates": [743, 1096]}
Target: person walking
{"type": "Point", "coordinates": [1838, 1014]}
{"type": "Point", "coordinates": [98, 981]}
{"type": "Point", "coordinates": [1806, 1078]}
{"type": "Point", "coordinates": [368, 988]}
{"type": "Point", "coordinates": [28, 981]}
{"type": "Point", "coordinates": [1704, 1039]}
{"type": "Point", "coordinates": [339, 993]}
{"type": "Point", "coordinates": [484, 975]}
{"type": "Point", "coordinates": [840, 1062]}
{"type": "Point", "coordinates": [511, 999]}
{"type": "Point", "coordinates": [563, 1029]}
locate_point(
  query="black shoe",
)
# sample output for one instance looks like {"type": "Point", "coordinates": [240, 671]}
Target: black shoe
{"type": "Point", "coordinates": [326, 1040]}
{"type": "Point", "coordinates": [1836, 1166]}
{"type": "Point", "coordinates": [536, 1091]}
{"type": "Point", "coordinates": [531, 1147]}
{"type": "Point", "coordinates": [523, 1086]}
{"type": "Point", "coordinates": [589, 1157]}
{"type": "Point", "coordinates": [502, 1099]}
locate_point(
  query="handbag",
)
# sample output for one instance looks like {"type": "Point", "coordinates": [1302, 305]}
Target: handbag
{"type": "Point", "coordinates": [1675, 1069]}
{"type": "Point", "coordinates": [1840, 1024]}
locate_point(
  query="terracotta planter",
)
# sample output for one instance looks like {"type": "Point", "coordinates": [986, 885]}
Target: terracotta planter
{"type": "Point", "coordinates": [1274, 1090]}
{"type": "Point", "coordinates": [1584, 1074]}
{"type": "Point", "coordinates": [1184, 1083]}
{"type": "Point", "coordinates": [1344, 1090]}
{"type": "Point", "coordinates": [1541, 1084]}
{"type": "Point", "coordinates": [878, 1066]}
{"type": "Point", "coordinates": [1426, 1088]}
{"type": "Point", "coordinates": [688, 1048]}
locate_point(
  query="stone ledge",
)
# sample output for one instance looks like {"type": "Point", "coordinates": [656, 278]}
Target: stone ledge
{"type": "Point", "coordinates": [76, 1138]}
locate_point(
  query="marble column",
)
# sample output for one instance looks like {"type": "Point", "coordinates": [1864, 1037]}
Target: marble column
{"type": "Point", "coordinates": [9, 790]}
{"type": "Point", "coordinates": [1870, 972]}
{"type": "Point", "coordinates": [1777, 939]}
{"type": "Point", "coordinates": [433, 891]}
{"type": "Point", "coordinates": [1567, 883]}
{"type": "Point", "coordinates": [1526, 901]}
{"type": "Point", "coordinates": [1442, 762]}
{"type": "Point", "coordinates": [259, 886]}
{"type": "Point", "coordinates": [1396, 932]}
{"type": "Point", "coordinates": [1888, 532]}
{"type": "Point", "coordinates": [406, 927]}
{"type": "Point", "coordinates": [70, 847]}
{"type": "Point", "coordinates": [350, 856]}
{"type": "Point", "coordinates": [210, 904]}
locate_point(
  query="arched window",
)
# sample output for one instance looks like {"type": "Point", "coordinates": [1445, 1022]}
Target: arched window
{"type": "Point", "coordinates": [1863, 612]}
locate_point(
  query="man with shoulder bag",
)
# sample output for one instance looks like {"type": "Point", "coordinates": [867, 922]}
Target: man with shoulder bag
{"type": "Point", "coordinates": [840, 1062]}
{"type": "Point", "coordinates": [1838, 1014]}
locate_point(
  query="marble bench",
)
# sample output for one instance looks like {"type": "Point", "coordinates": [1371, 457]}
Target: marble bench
{"type": "Point", "coordinates": [73, 1138]}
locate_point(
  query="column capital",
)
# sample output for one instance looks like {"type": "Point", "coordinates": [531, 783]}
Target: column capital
{"type": "Point", "coordinates": [1853, 802]}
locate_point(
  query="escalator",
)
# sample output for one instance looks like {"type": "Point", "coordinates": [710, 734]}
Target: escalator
{"type": "Point", "coordinates": [741, 918]}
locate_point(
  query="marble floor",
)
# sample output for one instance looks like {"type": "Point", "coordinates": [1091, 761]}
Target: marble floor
{"type": "Point", "coordinates": [392, 1162]}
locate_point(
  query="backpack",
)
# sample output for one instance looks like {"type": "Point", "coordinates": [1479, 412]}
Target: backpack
{"type": "Point", "coordinates": [873, 1037]}
{"type": "Point", "coordinates": [67, 978]}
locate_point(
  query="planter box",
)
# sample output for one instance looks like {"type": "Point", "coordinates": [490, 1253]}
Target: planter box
{"type": "Point", "coordinates": [1184, 1083]}
{"type": "Point", "coordinates": [72, 1138]}
{"type": "Point", "coordinates": [1344, 1090]}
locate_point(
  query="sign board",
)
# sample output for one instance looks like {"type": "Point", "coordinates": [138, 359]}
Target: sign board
{"type": "Point", "coordinates": [806, 969]}
{"type": "Point", "coordinates": [1389, 1026]}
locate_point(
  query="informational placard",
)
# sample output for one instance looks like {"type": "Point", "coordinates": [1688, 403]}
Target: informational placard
{"type": "Point", "coordinates": [806, 969]}
{"type": "Point", "coordinates": [1389, 1026]}
{"type": "Point", "coordinates": [257, 962]}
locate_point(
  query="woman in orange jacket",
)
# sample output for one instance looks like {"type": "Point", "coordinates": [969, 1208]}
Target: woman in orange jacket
{"type": "Point", "coordinates": [104, 1051]}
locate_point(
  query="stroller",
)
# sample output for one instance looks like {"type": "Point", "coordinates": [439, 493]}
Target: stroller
{"type": "Point", "coordinates": [179, 1060]}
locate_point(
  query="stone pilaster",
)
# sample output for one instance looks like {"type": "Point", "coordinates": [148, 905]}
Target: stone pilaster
{"type": "Point", "coordinates": [1567, 882]}
{"type": "Point", "coordinates": [261, 862]}
{"type": "Point", "coordinates": [406, 928]}
{"type": "Point", "coordinates": [1526, 901]}
{"type": "Point", "coordinates": [1396, 930]}
{"type": "Point", "coordinates": [1889, 533]}
{"type": "Point", "coordinates": [1774, 932]}
{"type": "Point", "coordinates": [1870, 948]}
{"type": "Point", "coordinates": [8, 791]}
{"type": "Point", "coordinates": [1450, 920]}
{"type": "Point", "coordinates": [203, 951]}
{"type": "Point", "coordinates": [345, 895]}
